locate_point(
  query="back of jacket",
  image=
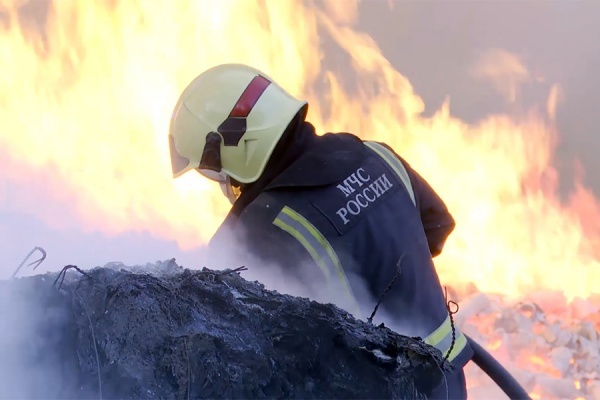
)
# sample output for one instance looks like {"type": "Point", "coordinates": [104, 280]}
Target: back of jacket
{"type": "Point", "coordinates": [348, 218]}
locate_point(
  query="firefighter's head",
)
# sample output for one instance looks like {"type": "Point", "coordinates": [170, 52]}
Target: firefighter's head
{"type": "Point", "coordinates": [227, 123]}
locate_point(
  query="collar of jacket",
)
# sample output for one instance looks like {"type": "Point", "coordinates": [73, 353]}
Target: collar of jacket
{"type": "Point", "coordinates": [331, 158]}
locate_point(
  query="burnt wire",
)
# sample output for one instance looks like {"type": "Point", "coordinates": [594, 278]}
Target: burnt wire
{"type": "Point", "coordinates": [63, 273]}
{"type": "Point", "coordinates": [36, 262]}
{"type": "Point", "coordinates": [387, 289]}
{"type": "Point", "coordinates": [445, 359]}
{"type": "Point", "coordinates": [451, 314]}
{"type": "Point", "coordinates": [238, 270]}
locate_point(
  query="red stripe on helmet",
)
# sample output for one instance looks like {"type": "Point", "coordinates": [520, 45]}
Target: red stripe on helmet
{"type": "Point", "coordinates": [249, 97]}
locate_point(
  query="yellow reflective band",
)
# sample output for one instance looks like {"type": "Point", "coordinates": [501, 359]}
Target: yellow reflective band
{"type": "Point", "coordinates": [440, 333]}
{"type": "Point", "coordinates": [317, 246]}
{"type": "Point", "coordinates": [306, 243]}
{"type": "Point", "coordinates": [441, 339]}
{"type": "Point", "coordinates": [395, 164]}
{"type": "Point", "coordinates": [459, 344]}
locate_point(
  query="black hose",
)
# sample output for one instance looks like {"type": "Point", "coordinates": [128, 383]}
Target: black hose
{"type": "Point", "coordinates": [497, 372]}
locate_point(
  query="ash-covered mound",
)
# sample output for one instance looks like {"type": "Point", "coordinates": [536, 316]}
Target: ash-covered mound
{"type": "Point", "coordinates": [161, 331]}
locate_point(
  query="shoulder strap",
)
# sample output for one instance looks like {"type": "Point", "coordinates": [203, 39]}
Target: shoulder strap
{"type": "Point", "coordinates": [394, 163]}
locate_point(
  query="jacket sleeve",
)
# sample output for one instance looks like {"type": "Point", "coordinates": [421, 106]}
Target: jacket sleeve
{"type": "Point", "coordinates": [437, 220]}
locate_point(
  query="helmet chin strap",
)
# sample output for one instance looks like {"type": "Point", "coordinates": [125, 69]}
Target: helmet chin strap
{"type": "Point", "coordinates": [232, 193]}
{"type": "Point", "coordinates": [210, 166]}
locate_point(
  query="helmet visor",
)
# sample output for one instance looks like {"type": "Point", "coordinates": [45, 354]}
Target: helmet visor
{"type": "Point", "coordinates": [213, 175]}
{"type": "Point", "coordinates": [178, 162]}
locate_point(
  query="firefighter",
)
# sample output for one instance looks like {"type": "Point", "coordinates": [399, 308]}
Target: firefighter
{"type": "Point", "coordinates": [331, 206]}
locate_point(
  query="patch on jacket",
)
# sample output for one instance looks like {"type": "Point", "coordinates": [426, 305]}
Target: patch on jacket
{"type": "Point", "coordinates": [349, 201]}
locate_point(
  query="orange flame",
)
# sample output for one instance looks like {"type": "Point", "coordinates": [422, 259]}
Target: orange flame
{"type": "Point", "coordinates": [86, 106]}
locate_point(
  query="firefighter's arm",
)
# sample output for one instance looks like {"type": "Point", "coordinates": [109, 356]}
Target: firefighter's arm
{"type": "Point", "coordinates": [437, 220]}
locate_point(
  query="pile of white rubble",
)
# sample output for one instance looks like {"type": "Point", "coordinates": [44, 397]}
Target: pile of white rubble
{"type": "Point", "coordinates": [552, 346]}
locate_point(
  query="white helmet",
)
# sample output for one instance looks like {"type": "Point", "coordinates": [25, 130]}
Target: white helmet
{"type": "Point", "coordinates": [227, 122]}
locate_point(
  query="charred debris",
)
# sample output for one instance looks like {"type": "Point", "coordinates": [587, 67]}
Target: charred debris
{"type": "Point", "coordinates": [161, 331]}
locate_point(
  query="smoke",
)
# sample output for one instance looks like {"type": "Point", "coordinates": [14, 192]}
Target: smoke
{"type": "Point", "coordinates": [303, 278]}
{"type": "Point", "coordinates": [230, 248]}
{"type": "Point", "coordinates": [35, 362]}
{"type": "Point", "coordinates": [505, 70]}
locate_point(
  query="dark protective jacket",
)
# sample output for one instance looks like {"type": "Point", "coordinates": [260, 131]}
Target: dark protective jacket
{"type": "Point", "coordinates": [348, 215]}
